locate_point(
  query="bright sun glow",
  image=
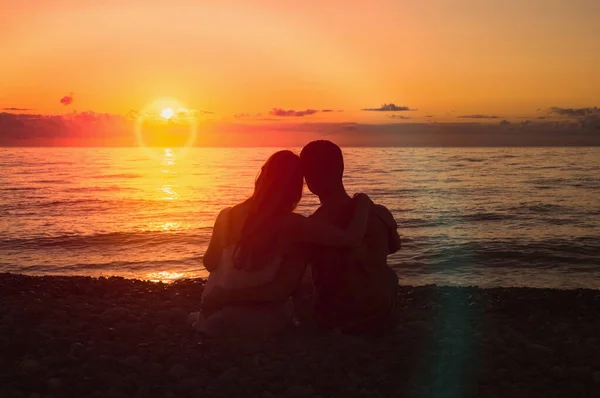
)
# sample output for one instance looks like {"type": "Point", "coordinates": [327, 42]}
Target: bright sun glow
{"type": "Point", "coordinates": [167, 113]}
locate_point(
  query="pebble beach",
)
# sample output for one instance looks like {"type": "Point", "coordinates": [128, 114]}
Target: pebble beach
{"type": "Point", "coordinates": [116, 338]}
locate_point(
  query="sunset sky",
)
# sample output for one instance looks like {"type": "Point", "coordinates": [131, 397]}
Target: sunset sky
{"type": "Point", "coordinates": [446, 60]}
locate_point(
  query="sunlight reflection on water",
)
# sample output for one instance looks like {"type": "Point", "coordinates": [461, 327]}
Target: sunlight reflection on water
{"type": "Point", "coordinates": [163, 276]}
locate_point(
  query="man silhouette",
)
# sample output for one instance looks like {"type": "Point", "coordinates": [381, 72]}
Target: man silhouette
{"type": "Point", "coordinates": [352, 290]}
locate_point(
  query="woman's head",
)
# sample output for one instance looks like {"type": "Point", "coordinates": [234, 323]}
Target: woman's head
{"type": "Point", "coordinates": [279, 184]}
{"type": "Point", "coordinates": [277, 191]}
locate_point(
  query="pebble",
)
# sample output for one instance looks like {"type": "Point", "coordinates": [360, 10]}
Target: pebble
{"type": "Point", "coordinates": [177, 315]}
{"type": "Point", "coordinates": [115, 313]}
{"type": "Point", "coordinates": [558, 372]}
{"type": "Point", "coordinates": [76, 349]}
{"type": "Point", "coordinates": [53, 383]}
{"type": "Point", "coordinates": [132, 361]}
{"type": "Point", "coordinates": [299, 391]}
{"type": "Point", "coordinates": [30, 365]}
{"type": "Point", "coordinates": [178, 370]}
{"type": "Point", "coordinates": [161, 330]}
{"type": "Point", "coordinates": [153, 368]}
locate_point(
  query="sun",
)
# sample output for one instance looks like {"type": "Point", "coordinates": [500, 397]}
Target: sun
{"type": "Point", "coordinates": [167, 113]}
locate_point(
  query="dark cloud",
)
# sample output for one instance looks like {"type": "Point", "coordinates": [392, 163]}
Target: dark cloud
{"type": "Point", "coordinates": [291, 112]}
{"type": "Point", "coordinates": [389, 108]}
{"type": "Point", "coordinates": [400, 117]}
{"type": "Point", "coordinates": [17, 109]}
{"type": "Point", "coordinates": [67, 99]}
{"type": "Point", "coordinates": [575, 112]}
{"type": "Point", "coordinates": [585, 118]}
{"type": "Point", "coordinates": [478, 116]}
{"type": "Point", "coordinates": [504, 122]}
{"type": "Point", "coordinates": [331, 110]}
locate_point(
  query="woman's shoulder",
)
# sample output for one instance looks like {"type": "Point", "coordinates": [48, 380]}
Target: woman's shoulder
{"type": "Point", "coordinates": [236, 211]}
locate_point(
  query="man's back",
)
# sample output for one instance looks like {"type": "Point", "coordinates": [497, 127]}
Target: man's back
{"type": "Point", "coordinates": [355, 290]}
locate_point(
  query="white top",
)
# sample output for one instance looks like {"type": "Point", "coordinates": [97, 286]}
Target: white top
{"type": "Point", "coordinates": [238, 320]}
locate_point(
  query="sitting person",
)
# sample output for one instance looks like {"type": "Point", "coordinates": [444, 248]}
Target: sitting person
{"type": "Point", "coordinates": [354, 289]}
{"type": "Point", "coordinates": [262, 241]}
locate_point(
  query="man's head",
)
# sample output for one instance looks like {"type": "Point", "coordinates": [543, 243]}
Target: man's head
{"type": "Point", "coordinates": [323, 166]}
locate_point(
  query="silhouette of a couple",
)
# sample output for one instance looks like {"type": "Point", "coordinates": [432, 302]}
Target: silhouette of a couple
{"type": "Point", "coordinates": [260, 252]}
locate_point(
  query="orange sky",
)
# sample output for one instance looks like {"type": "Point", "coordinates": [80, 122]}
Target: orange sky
{"type": "Point", "coordinates": [442, 57]}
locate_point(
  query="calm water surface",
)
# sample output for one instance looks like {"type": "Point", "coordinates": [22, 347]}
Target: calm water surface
{"type": "Point", "coordinates": [488, 217]}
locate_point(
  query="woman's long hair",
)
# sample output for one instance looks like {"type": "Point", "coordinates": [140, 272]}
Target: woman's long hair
{"type": "Point", "coordinates": [277, 191]}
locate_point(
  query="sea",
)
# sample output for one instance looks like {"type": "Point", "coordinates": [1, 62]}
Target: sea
{"type": "Point", "coordinates": [486, 217]}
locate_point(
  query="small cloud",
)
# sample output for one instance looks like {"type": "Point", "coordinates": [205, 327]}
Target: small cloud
{"type": "Point", "coordinates": [291, 112]}
{"type": "Point", "coordinates": [184, 114]}
{"type": "Point", "coordinates": [542, 117]}
{"type": "Point", "coordinates": [67, 99]}
{"type": "Point", "coordinates": [247, 115]}
{"type": "Point", "coordinates": [389, 108]}
{"type": "Point", "coordinates": [504, 122]}
{"type": "Point", "coordinates": [132, 115]}
{"type": "Point", "coordinates": [350, 126]}
{"type": "Point", "coordinates": [400, 117]}
{"type": "Point", "coordinates": [17, 109]}
{"type": "Point", "coordinates": [478, 116]}
{"type": "Point", "coordinates": [429, 115]}
{"type": "Point", "coordinates": [330, 110]}
{"type": "Point", "coordinates": [575, 112]}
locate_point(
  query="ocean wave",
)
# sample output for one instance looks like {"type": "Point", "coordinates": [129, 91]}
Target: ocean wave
{"type": "Point", "coordinates": [93, 241]}
{"type": "Point", "coordinates": [545, 181]}
{"type": "Point", "coordinates": [16, 189]}
{"type": "Point", "coordinates": [112, 188]}
{"type": "Point", "coordinates": [460, 158]}
{"type": "Point", "coordinates": [474, 217]}
{"type": "Point", "coordinates": [121, 266]}
{"type": "Point", "coordinates": [513, 253]}
{"type": "Point", "coordinates": [544, 208]}
{"type": "Point", "coordinates": [50, 182]}
{"type": "Point", "coordinates": [55, 203]}
{"type": "Point", "coordinates": [122, 175]}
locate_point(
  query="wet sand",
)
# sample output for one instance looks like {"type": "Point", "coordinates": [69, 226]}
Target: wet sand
{"type": "Point", "coordinates": [115, 337]}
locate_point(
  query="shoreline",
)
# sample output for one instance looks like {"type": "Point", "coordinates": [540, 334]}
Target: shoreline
{"type": "Point", "coordinates": [63, 336]}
